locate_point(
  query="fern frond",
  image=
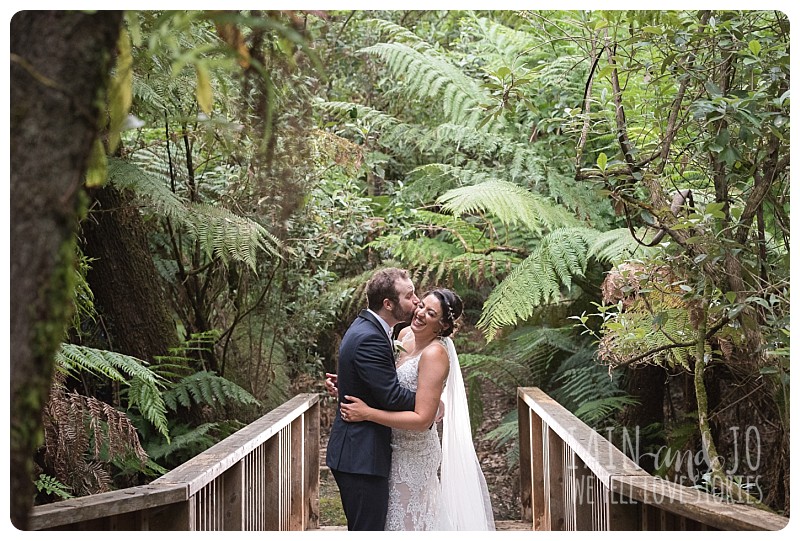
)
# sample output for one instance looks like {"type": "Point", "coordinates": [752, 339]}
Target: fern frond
{"type": "Point", "coordinates": [73, 359]}
{"type": "Point", "coordinates": [50, 485]}
{"type": "Point", "coordinates": [148, 185]}
{"type": "Point", "coordinates": [511, 203]}
{"type": "Point", "coordinates": [506, 374]}
{"type": "Point", "coordinates": [592, 412]}
{"type": "Point", "coordinates": [430, 75]}
{"type": "Point", "coordinates": [83, 436]}
{"type": "Point", "coordinates": [538, 348]}
{"type": "Point", "coordinates": [375, 119]}
{"type": "Point", "coordinates": [208, 389]}
{"type": "Point", "coordinates": [618, 245]}
{"type": "Point", "coordinates": [397, 33]}
{"type": "Point", "coordinates": [228, 236]}
{"type": "Point", "coordinates": [144, 385]}
{"type": "Point", "coordinates": [149, 401]}
{"type": "Point", "coordinates": [191, 442]}
{"type": "Point", "coordinates": [221, 232]}
{"type": "Point", "coordinates": [538, 279]}
{"type": "Point", "coordinates": [505, 46]}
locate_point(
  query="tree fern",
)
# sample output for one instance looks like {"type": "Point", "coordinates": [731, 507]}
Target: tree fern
{"type": "Point", "coordinates": [538, 279]}
{"type": "Point", "coordinates": [207, 389]}
{"type": "Point", "coordinates": [430, 75]}
{"type": "Point", "coordinates": [509, 202]}
{"type": "Point", "coordinates": [400, 34]}
{"type": "Point", "coordinates": [508, 45]}
{"type": "Point", "coordinates": [617, 245]}
{"type": "Point", "coordinates": [375, 119]}
{"type": "Point", "coordinates": [220, 232]}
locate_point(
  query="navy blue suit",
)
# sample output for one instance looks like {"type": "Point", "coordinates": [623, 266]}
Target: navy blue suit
{"type": "Point", "coordinates": [360, 454]}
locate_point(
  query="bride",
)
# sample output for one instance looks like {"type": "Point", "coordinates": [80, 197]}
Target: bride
{"type": "Point", "coordinates": [428, 364]}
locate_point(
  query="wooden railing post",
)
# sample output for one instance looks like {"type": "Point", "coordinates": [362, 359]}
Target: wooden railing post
{"type": "Point", "coordinates": [583, 485]}
{"type": "Point", "coordinates": [532, 468]}
{"type": "Point", "coordinates": [555, 481]}
{"type": "Point", "coordinates": [624, 513]}
{"type": "Point", "coordinates": [177, 516]}
{"type": "Point", "coordinates": [272, 488]}
{"type": "Point", "coordinates": [297, 479]}
{"type": "Point", "coordinates": [233, 502]}
{"type": "Point", "coordinates": [311, 481]}
{"type": "Point", "coordinates": [525, 460]}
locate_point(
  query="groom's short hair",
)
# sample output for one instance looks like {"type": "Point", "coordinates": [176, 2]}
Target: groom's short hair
{"type": "Point", "coordinates": [382, 286]}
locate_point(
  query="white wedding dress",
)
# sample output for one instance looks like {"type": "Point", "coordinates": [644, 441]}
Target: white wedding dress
{"type": "Point", "coordinates": [418, 500]}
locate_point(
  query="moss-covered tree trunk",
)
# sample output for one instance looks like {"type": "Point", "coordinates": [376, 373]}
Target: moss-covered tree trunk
{"type": "Point", "coordinates": [126, 286]}
{"type": "Point", "coordinates": [60, 63]}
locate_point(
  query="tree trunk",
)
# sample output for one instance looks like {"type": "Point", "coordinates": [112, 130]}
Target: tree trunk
{"type": "Point", "coordinates": [124, 279]}
{"type": "Point", "coordinates": [647, 384]}
{"type": "Point", "coordinates": [60, 62]}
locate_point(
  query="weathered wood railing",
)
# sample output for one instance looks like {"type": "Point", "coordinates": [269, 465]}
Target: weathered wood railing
{"type": "Point", "coordinates": [574, 479]}
{"type": "Point", "coordinates": [263, 477]}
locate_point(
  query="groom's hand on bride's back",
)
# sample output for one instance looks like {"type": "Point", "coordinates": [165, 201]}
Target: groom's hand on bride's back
{"type": "Point", "coordinates": [331, 381]}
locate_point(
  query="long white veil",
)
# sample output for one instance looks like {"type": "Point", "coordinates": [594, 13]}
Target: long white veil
{"type": "Point", "coordinates": [465, 497]}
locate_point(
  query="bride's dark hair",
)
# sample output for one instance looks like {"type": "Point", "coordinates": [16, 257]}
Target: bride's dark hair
{"type": "Point", "coordinates": [452, 307]}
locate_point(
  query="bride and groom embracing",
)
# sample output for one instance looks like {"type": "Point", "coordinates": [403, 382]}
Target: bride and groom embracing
{"type": "Point", "coordinates": [384, 449]}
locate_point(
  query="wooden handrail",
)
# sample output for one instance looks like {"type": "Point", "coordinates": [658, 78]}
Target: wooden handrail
{"type": "Point", "coordinates": [263, 477]}
{"type": "Point", "coordinates": [574, 479]}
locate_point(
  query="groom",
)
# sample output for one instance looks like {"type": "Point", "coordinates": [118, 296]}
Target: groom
{"type": "Point", "coordinates": [359, 454]}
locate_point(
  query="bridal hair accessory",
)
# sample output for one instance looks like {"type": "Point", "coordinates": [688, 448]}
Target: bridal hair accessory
{"type": "Point", "coordinates": [442, 295]}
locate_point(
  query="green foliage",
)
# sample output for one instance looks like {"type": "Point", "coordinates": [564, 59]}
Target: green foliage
{"type": "Point", "coordinates": [220, 232]}
{"type": "Point", "coordinates": [144, 385]}
{"type": "Point", "coordinates": [185, 443]}
{"type": "Point", "coordinates": [512, 204]}
{"type": "Point", "coordinates": [429, 75]}
{"type": "Point", "coordinates": [46, 484]}
{"type": "Point", "coordinates": [538, 279]}
{"type": "Point", "coordinates": [206, 389]}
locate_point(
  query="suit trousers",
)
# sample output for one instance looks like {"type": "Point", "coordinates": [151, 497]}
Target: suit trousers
{"type": "Point", "coordinates": [365, 500]}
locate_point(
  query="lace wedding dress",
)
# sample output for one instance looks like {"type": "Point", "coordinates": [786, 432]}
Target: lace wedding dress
{"type": "Point", "coordinates": [413, 479]}
{"type": "Point", "coordinates": [418, 500]}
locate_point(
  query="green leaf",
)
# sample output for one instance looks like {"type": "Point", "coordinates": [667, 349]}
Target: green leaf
{"type": "Point", "coordinates": [602, 161]}
{"type": "Point", "coordinates": [754, 46]}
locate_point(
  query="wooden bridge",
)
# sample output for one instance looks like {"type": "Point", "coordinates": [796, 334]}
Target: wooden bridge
{"type": "Point", "coordinates": [266, 477]}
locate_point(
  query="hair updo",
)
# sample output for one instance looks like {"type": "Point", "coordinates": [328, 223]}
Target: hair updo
{"type": "Point", "coordinates": [452, 307]}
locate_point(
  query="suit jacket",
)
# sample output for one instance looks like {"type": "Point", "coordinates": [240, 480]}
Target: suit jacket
{"type": "Point", "coordinates": [366, 370]}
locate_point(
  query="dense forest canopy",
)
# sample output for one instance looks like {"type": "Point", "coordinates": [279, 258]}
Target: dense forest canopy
{"type": "Point", "coordinates": [607, 190]}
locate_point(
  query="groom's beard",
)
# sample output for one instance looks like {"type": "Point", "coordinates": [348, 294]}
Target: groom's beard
{"type": "Point", "coordinates": [401, 315]}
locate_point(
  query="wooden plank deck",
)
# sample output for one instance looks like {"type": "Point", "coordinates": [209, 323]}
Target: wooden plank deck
{"type": "Point", "coordinates": [500, 525]}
